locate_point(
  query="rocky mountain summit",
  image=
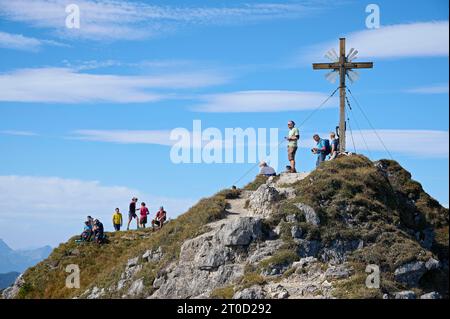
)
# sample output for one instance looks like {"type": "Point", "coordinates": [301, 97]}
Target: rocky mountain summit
{"type": "Point", "coordinates": [350, 229]}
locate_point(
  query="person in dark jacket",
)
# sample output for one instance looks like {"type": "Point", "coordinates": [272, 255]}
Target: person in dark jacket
{"type": "Point", "coordinates": [132, 213]}
{"type": "Point", "coordinates": [99, 234]}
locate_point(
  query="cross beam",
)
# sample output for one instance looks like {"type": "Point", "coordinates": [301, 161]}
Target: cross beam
{"type": "Point", "coordinates": [342, 66]}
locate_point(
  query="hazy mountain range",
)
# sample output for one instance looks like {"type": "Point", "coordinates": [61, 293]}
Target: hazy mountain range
{"type": "Point", "coordinates": [19, 260]}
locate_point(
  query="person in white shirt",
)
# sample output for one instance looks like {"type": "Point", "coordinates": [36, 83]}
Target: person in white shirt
{"type": "Point", "coordinates": [266, 170]}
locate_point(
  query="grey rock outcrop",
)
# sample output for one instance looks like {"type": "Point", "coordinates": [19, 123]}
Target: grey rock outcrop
{"type": "Point", "coordinates": [13, 291]}
{"type": "Point", "coordinates": [410, 273]}
{"type": "Point", "coordinates": [431, 295]}
{"type": "Point", "coordinates": [296, 232]}
{"type": "Point", "coordinates": [153, 255]}
{"type": "Point", "coordinates": [136, 288]}
{"type": "Point", "coordinates": [307, 248]}
{"type": "Point", "coordinates": [240, 232]}
{"type": "Point", "coordinates": [212, 260]}
{"type": "Point", "coordinates": [407, 294]}
{"type": "Point", "coordinates": [254, 292]}
{"type": "Point", "coordinates": [337, 251]}
{"type": "Point", "coordinates": [432, 264]}
{"type": "Point", "coordinates": [263, 200]}
{"type": "Point", "coordinates": [310, 214]}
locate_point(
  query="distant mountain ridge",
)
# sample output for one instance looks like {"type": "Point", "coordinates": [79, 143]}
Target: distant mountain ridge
{"type": "Point", "coordinates": [8, 279]}
{"type": "Point", "coordinates": [19, 260]}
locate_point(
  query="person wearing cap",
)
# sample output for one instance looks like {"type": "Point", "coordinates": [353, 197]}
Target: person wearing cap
{"type": "Point", "coordinates": [292, 138]}
{"type": "Point", "coordinates": [266, 170]}
{"type": "Point", "coordinates": [159, 219]}
{"type": "Point", "coordinates": [132, 213]}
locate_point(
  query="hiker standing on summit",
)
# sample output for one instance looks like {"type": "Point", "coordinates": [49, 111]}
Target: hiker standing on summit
{"type": "Point", "coordinates": [132, 213]}
{"type": "Point", "coordinates": [292, 138]}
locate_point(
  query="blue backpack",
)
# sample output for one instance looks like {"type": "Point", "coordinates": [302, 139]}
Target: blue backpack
{"type": "Point", "coordinates": [327, 146]}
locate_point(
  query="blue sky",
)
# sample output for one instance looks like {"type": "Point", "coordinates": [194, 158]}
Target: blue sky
{"type": "Point", "coordinates": [86, 113]}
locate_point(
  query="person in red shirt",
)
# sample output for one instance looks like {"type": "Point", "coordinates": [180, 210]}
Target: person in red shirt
{"type": "Point", "coordinates": [144, 212]}
{"type": "Point", "coordinates": [160, 218]}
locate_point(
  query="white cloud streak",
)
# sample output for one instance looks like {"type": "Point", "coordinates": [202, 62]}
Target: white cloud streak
{"type": "Point", "coordinates": [18, 133]}
{"type": "Point", "coordinates": [112, 19]}
{"type": "Point", "coordinates": [263, 101]}
{"type": "Point", "coordinates": [64, 85]}
{"type": "Point", "coordinates": [430, 89]}
{"type": "Point", "coordinates": [124, 136]}
{"type": "Point", "coordinates": [417, 143]}
{"type": "Point", "coordinates": [23, 43]}
{"type": "Point", "coordinates": [19, 42]}
{"type": "Point", "coordinates": [420, 39]}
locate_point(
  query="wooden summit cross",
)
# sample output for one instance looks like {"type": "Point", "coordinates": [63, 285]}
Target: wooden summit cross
{"type": "Point", "coordinates": [343, 65]}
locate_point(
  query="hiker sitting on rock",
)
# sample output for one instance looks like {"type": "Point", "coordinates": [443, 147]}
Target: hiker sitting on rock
{"type": "Point", "coordinates": [322, 149]}
{"type": "Point", "coordinates": [144, 212]}
{"type": "Point", "coordinates": [99, 235]}
{"type": "Point", "coordinates": [334, 143]}
{"type": "Point", "coordinates": [266, 170]}
{"type": "Point", "coordinates": [159, 219]}
{"type": "Point", "coordinates": [87, 232]}
{"type": "Point", "coordinates": [117, 219]}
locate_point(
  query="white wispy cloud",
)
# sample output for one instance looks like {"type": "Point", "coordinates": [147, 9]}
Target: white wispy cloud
{"type": "Point", "coordinates": [417, 143]}
{"type": "Point", "coordinates": [64, 85]}
{"type": "Point", "coordinates": [406, 142]}
{"type": "Point", "coordinates": [430, 89]}
{"type": "Point", "coordinates": [52, 209]}
{"type": "Point", "coordinates": [23, 43]}
{"type": "Point", "coordinates": [18, 133]}
{"type": "Point", "coordinates": [124, 136]}
{"type": "Point", "coordinates": [420, 39]}
{"type": "Point", "coordinates": [263, 101]}
{"type": "Point", "coordinates": [112, 19]}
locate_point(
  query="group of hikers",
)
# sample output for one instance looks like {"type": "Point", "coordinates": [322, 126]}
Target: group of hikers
{"type": "Point", "coordinates": [94, 230]}
{"type": "Point", "coordinates": [324, 147]}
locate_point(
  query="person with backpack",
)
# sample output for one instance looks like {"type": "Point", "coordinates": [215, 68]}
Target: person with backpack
{"type": "Point", "coordinates": [117, 219]}
{"type": "Point", "coordinates": [87, 232]}
{"type": "Point", "coordinates": [159, 219]}
{"type": "Point", "coordinates": [144, 212]}
{"type": "Point", "coordinates": [322, 149]}
{"type": "Point", "coordinates": [334, 143]}
{"type": "Point", "coordinates": [132, 213]}
{"type": "Point", "coordinates": [99, 234]}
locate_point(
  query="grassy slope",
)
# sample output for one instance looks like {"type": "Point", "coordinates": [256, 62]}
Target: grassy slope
{"type": "Point", "coordinates": [101, 265]}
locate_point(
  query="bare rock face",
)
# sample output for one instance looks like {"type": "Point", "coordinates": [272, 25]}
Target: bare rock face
{"type": "Point", "coordinates": [310, 214]}
{"type": "Point", "coordinates": [96, 293]}
{"type": "Point", "coordinates": [254, 292]}
{"type": "Point", "coordinates": [410, 273]}
{"type": "Point", "coordinates": [136, 288]}
{"type": "Point", "coordinates": [13, 291]}
{"type": "Point", "coordinates": [407, 294]}
{"type": "Point", "coordinates": [431, 295]}
{"type": "Point", "coordinates": [263, 200]}
{"type": "Point", "coordinates": [152, 256]}
{"type": "Point", "coordinates": [240, 232]}
{"type": "Point", "coordinates": [337, 251]}
{"type": "Point", "coordinates": [210, 260]}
